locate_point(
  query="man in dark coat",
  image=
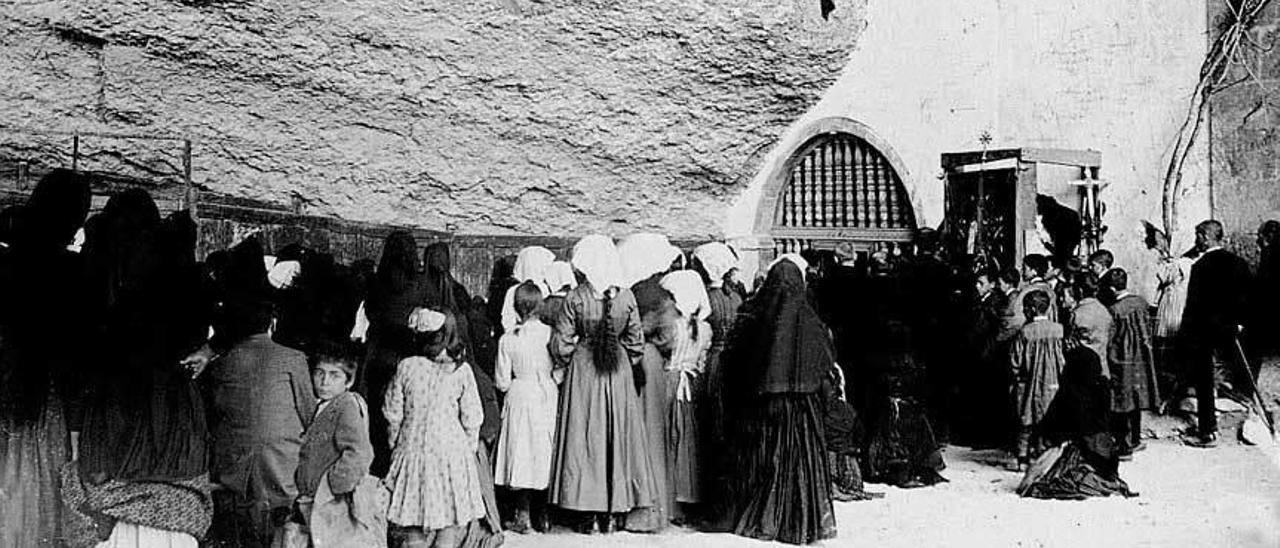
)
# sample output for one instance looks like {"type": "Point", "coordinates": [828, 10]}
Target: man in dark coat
{"type": "Point", "coordinates": [1216, 297]}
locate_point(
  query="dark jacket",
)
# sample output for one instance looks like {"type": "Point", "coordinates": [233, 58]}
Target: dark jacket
{"type": "Point", "coordinates": [1216, 297]}
{"type": "Point", "coordinates": [337, 442]}
{"type": "Point", "coordinates": [261, 402]}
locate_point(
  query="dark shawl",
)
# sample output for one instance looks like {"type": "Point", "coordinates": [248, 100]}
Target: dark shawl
{"type": "Point", "coordinates": [442, 290]}
{"type": "Point", "coordinates": [780, 346]}
{"type": "Point", "coordinates": [42, 320]}
{"type": "Point", "coordinates": [500, 280]}
{"type": "Point", "coordinates": [397, 289]}
{"type": "Point", "coordinates": [144, 418]}
{"type": "Point", "coordinates": [1082, 405]}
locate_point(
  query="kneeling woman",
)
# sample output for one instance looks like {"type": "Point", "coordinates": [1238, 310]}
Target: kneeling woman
{"type": "Point", "coordinates": [1085, 462]}
{"type": "Point", "coordinates": [777, 458]}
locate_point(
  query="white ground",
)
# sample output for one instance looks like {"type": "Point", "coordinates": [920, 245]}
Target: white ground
{"type": "Point", "coordinates": [1228, 496]}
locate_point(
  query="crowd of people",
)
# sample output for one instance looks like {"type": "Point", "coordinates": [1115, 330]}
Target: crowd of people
{"type": "Point", "coordinates": [289, 400]}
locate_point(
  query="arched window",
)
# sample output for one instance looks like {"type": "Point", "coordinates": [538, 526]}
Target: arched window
{"type": "Point", "coordinates": [841, 189]}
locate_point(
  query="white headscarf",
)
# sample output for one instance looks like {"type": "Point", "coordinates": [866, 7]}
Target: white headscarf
{"type": "Point", "coordinates": [283, 273]}
{"type": "Point", "coordinates": [644, 255]}
{"type": "Point", "coordinates": [689, 293]}
{"type": "Point", "coordinates": [596, 258]}
{"type": "Point", "coordinates": [797, 260]}
{"type": "Point", "coordinates": [559, 275]}
{"type": "Point", "coordinates": [531, 265]}
{"type": "Point", "coordinates": [717, 259]}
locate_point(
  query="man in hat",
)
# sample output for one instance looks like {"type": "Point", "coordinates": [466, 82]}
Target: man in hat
{"type": "Point", "coordinates": [262, 400]}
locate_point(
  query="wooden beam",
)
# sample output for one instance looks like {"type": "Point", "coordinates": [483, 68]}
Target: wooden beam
{"type": "Point", "coordinates": [1059, 156]}
{"type": "Point", "coordinates": [843, 234]}
{"type": "Point", "coordinates": [1062, 156]}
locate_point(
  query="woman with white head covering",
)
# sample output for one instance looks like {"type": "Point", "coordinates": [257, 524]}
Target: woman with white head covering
{"type": "Point", "coordinates": [716, 262]}
{"type": "Point", "coordinates": [646, 258]}
{"type": "Point", "coordinates": [532, 264]}
{"type": "Point", "coordinates": [683, 394]}
{"type": "Point", "coordinates": [560, 278]}
{"type": "Point", "coordinates": [600, 463]}
{"type": "Point", "coordinates": [646, 254]}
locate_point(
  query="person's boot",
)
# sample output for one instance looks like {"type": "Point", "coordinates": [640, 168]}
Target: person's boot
{"type": "Point", "coordinates": [589, 524]}
{"type": "Point", "coordinates": [541, 521]}
{"type": "Point", "coordinates": [521, 524]}
{"type": "Point", "coordinates": [608, 524]}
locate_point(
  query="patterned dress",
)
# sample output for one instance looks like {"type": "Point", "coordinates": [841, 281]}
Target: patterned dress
{"type": "Point", "coordinates": [434, 415]}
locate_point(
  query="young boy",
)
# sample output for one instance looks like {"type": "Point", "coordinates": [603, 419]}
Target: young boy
{"type": "Point", "coordinates": [1091, 322]}
{"type": "Point", "coordinates": [338, 501]}
{"type": "Point", "coordinates": [1036, 357]}
{"type": "Point", "coordinates": [1132, 364]}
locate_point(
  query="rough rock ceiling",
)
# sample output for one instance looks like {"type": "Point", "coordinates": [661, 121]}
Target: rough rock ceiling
{"type": "Point", "coordinates": [498, 116]}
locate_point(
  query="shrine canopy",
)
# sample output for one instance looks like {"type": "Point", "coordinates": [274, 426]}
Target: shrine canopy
{"type": "Point", "coordinates": [1002, 204]}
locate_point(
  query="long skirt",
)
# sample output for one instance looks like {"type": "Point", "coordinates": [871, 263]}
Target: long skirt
{"type": "Point", "coordinates": [600, 462]}
{"type": "Point", "coordinates": [653, 399]}
{"type": "Point", "coordinates": [780, 486]}
{"type": "Point", "coordinates": [375, 375]}
{"type": "Point", "coordinates": [31, 460]}
{"type": "Point", "coordinates": [684, 465]}
{"type": "Point", "coordinates": [902, 449]}
{"type": "Point", "coordinates": [1065, 473]}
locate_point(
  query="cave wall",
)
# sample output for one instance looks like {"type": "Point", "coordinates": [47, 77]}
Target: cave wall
{"type": "Point", "coordinates": [554, 117]}
{"type": "Point", "coordinates": [1244, 118]}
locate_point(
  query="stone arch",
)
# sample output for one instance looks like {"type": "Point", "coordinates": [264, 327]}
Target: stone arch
{"type": "Point", "coordinates": [809, 138]}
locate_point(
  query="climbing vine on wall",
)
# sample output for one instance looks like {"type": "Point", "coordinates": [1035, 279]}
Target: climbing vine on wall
{"type": "Point", "coordinates": [1228, 50]}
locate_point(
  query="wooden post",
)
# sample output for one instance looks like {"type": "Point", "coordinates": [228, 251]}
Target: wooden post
{"type": "Point", "coordinates": [192, 196]}
{"type": "Point", "coordinates": [75, 152]}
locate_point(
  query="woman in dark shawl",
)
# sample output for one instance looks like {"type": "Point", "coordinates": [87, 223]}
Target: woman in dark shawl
{"type": "Point", "coordinates": [143, 449]}
{"type": "Point", "coordinates": [442, 290]}
{"type": "Point", "coordinates": [779, 485]}
{"type": "Point", "coordinates": [41, 336]}
{"type": "Point", "coordinates": [1086, 461]}
{"type": "Point", "coordinates": [902, 449]}
{"type": "Point", "coordinates": [396, 291]}
{"type": "Point", "coordinates": [501, 279]}
{"type": "Point", "coordinates": [1262, 334]}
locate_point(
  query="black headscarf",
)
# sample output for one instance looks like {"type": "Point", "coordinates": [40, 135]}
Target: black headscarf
{"type": "Point", "coordinates": [442, 290]}
{"type": "Point", "coordinates": [396, 288]}
{"type": "Point", "coordinates": [123, 251]}
{"type": "Point", "coordinates": [500, 280]}
{"type": "Point", "coordinates": [56, 210]}
{"type": "Point", "coordinates": [779, 343]}
{"type": "Point", "coordinates": [246, 294]}
{"type": "Point", "coordinates": [42, 298]}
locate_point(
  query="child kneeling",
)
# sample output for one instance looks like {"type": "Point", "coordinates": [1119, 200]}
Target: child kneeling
{"type": "Point", "coordinates": [339, 503]}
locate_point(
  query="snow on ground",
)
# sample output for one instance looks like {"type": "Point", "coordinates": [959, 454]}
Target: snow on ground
{"type": "Point", "coordinates": [1191, 497]}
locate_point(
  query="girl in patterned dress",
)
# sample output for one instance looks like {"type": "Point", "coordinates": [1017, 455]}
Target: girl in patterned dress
{"type": "Point", "coordinates": [434, 414]}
